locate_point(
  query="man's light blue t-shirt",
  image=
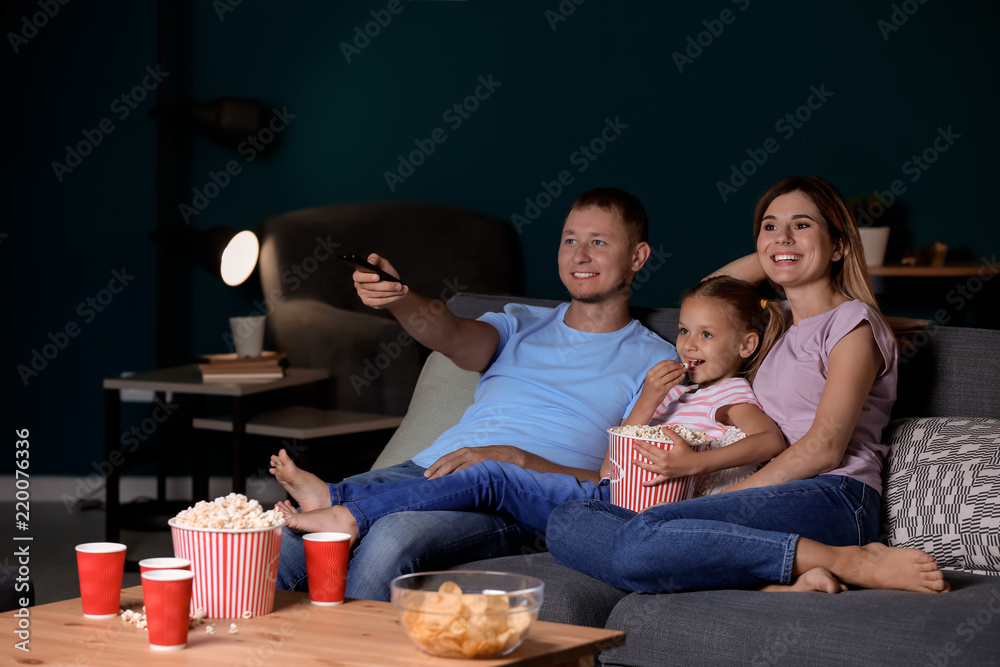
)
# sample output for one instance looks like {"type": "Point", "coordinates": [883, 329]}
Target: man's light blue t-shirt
{"type": "Point", "coordinates": [553, 390]}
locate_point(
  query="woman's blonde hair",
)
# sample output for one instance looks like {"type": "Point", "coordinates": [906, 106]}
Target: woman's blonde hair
{"type": "Point", "coordinates": [848, 275]}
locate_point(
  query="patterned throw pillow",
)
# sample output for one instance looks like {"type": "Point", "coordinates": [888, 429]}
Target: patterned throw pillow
{"type": "Point", "coordinates": [942, 495]}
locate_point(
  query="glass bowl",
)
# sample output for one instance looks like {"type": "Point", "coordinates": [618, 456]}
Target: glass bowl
{"type": "Point", "coordinates": [467, 614]}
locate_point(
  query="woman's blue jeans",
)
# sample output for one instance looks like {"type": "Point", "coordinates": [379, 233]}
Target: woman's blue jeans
{"type": "Point", "coordinates": [528, 496]}
{"type": "Point", "coordinates": [727, 540]}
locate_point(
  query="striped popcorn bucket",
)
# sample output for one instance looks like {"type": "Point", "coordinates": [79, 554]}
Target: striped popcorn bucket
{"type": "Point", "coordinates": [234, 570]}
{"type": "Point", "coordinates": [626, 479]}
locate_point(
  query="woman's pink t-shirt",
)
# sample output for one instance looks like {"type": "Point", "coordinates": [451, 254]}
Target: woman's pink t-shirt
{"type": "Point", "coordinates": [792, 377]}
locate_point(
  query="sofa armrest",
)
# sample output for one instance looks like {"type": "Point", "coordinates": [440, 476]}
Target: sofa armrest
{"type": "Point", "coordinates": [442, 394]}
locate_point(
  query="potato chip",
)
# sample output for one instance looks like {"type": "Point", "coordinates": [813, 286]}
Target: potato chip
{"type": "Point", "coordinates": [456, 624]}
{"type": "Point", "coordinates": [450, 587]}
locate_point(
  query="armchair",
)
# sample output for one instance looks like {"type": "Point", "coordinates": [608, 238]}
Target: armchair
{"type": "Point", "coordinates": [316, 317]}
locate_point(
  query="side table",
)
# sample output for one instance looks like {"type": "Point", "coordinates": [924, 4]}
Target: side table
{"type": "Point", "coordinates": [302, 423]}
{"type": "Point", "coordinates": [184, 380]}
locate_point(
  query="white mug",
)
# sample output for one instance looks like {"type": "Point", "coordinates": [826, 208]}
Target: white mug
{"type": "Point", "coordinates": [248, 335]}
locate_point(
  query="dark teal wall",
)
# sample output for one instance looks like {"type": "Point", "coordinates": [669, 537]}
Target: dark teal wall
{"type": "Point", "coordinates": [886, 99]}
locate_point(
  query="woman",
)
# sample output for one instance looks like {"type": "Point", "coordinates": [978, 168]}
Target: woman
{"type": "Point", "coordinates": [810, 517]}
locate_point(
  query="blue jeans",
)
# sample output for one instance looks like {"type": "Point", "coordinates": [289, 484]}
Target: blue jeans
{"type": "Point", "coordinates": [727, 540]}
{"type": "Point", "coordinates": [528, 496]}
{"type": "Point", "coordinates": [409, 542]}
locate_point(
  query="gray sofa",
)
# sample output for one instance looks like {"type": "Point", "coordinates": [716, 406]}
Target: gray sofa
{"type": "Point", "coordinates": [942, 494]}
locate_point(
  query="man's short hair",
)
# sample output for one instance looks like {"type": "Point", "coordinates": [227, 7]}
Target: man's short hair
{"type": "Point", "coordinates": [624, 204]}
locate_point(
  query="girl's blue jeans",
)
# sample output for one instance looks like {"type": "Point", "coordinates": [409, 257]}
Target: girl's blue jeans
{"type": "Point", "coordinates": [728, 540]}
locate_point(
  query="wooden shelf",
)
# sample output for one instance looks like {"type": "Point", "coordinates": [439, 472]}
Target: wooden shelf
{"type": "Point", "coordinates": [954, 271]}
{"type": "Point", "coordinates": [303, 423]}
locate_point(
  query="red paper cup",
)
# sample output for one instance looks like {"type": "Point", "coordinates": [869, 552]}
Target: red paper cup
{"type": "Point", "coordinates": [626, 478]}
{"type": "Point", "coordinates": [234, 570]}
{"type": "Point", "coordinates": [148, 564]}
{"type": "Point", "coordinates": [101, 566]}
{"type": "Point", "coordinates": [167, 598]}
{"type": "Point", "coordinates": [326, 566]}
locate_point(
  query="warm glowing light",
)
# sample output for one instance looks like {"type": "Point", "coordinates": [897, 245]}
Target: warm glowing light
{"type": "Point", "coordinates": [239, 258]}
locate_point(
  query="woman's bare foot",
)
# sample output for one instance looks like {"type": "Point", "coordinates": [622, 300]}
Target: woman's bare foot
{"type": "Point", "coordinates": [334, 519]}
{"type": "Point", "coordinates": [309, 491]}
{"type": "Point", "coordinates": [818, 579]}
{"type": "Point", "coordinates": [875, 565]}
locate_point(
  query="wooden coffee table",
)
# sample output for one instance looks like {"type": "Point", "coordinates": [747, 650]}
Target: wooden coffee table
{"type": "Point", "coordinates": [358, 632]}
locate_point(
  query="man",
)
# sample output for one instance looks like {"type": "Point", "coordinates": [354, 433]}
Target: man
{"type": "Point", "coordinates": [553, 379]}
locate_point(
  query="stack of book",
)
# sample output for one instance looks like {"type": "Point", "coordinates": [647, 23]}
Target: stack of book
{"type": "Point", "coordinates": [230, 368]}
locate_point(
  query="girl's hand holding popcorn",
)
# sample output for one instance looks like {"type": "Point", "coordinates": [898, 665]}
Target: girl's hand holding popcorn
{"type": "Point", "coordinates": [679, 461]}
{"type": "Point", "coordinates": [660, 379]}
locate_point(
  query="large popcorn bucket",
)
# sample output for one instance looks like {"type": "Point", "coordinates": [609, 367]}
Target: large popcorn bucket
{"type": "Point", "coordinates": [626, 479]}
{"type": "Point", "coordinates": [234, 569]}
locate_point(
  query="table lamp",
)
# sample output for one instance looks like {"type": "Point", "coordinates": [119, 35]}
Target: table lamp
{"type": "Point", "coordinates": [221, 250]}
{"type": "Point", "coordinates": [239, 257]}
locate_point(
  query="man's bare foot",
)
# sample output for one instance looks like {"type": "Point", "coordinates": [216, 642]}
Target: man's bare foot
{"type": "Point", "coordinates": [818, 579]}
{"type": "Point", "coordinates": [334, 519]}
{"type": "Point", "coordinates": [309, 491]}
{"type": "Point", "coordinates": [875, 565]}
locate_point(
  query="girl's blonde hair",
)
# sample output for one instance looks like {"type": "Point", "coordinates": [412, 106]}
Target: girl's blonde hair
{"type": "Point", "coordinates": [747, 313]}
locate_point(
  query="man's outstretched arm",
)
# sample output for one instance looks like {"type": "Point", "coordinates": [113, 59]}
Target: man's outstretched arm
{"type": "Point", "coordinates": [469, 343]}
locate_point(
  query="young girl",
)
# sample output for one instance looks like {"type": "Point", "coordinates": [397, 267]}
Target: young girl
{"type": "Point", "coordinates": [721, 322]}
{"type": "Point", "coordinates": [829, 381]}
{"type": "Point", "coordinates": [719, 331]}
